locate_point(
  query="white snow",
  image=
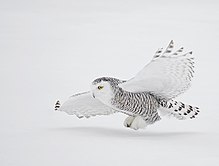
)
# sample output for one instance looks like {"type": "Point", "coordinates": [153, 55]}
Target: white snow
{"type": "Point", "coordinates": [52, 49]}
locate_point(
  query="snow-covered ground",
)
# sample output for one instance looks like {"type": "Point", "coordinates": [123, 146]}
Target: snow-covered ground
{"type": "Point", "coordinates": [52, 49]}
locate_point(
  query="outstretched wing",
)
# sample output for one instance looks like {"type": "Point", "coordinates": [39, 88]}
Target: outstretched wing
{"type": "Point", "coordinates": [167, 75]}
{"type": "Point", "coordinates": [83, 105]}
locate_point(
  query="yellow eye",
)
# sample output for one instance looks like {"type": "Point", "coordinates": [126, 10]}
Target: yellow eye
{"type": "Point", "coordinates": [100, 87]}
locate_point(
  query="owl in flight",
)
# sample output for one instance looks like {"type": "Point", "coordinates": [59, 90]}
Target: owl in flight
{"type": "Point", "coordinates": [144, 98]}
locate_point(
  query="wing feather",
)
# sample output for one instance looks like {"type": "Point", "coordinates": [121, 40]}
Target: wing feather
{"type": "Point", "coordinates": [167, 75]}
{"type": "Point", "coordinates": [83, 105]}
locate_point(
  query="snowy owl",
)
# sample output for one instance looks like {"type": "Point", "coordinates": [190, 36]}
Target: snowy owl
{"type": "Point", "coordinates": [143, 98]}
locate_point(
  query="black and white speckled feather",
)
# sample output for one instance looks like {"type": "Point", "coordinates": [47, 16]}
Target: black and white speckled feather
{"type": "Point", "coordinates": [178, 109]}
{"type": "Point", "coordinates": [137, 104]}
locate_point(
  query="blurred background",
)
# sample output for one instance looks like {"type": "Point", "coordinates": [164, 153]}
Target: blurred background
{"type": "Point", "coordinates": [52, 49]}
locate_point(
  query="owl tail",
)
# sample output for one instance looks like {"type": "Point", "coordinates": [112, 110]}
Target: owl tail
{"type": "Point", "coordinates": [178, 109]}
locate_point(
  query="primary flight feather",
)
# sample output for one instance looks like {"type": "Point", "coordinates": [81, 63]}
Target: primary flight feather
{"type": "Point", "coordinates": [143, 98]}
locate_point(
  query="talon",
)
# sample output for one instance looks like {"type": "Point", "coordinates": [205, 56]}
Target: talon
{"type": "Point", "coordinates": [128, 121]}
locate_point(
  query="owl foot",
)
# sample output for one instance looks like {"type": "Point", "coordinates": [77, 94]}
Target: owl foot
{"type": "Point", "coordinates": [128, 121]}
{"type": "Point", "coordinates": [135, 122]}
{"type": "Point", "coordinates": [138, 123]}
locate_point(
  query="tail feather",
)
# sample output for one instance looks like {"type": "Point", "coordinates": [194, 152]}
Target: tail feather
{"type": "Point", "coordinates": [178, 109]}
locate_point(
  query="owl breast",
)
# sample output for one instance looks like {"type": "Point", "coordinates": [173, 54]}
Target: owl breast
{"type": "Point", "coordinates": [143, 104]}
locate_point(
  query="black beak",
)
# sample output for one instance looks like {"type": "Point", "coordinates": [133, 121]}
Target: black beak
{"type": "Point", "coordinates": [93, 95]}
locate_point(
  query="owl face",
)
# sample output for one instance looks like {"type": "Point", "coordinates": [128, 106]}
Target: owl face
{"type": "Point", "coordinates": [102, 91]}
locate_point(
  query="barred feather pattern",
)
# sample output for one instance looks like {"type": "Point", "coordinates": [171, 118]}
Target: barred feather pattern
{"type": "Point", "coordinates": [178, 109]}
{"type": "Point", "coordinates": [137, 104]}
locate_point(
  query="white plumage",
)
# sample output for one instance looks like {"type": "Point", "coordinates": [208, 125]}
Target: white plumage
{"type": "Point", "coordinates": [167, 75]}
{"type": "Point", "coordinates": [83, 105]}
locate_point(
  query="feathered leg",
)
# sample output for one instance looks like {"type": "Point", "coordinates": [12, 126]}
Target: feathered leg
{"type": "Point", "coordinates": [135, 123]}
{"type": "Point", "coordinates": [128, 121]}
{"type": "Point", "coordinates": [139, 122]}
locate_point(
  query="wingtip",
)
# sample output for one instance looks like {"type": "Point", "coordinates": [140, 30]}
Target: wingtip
{"type": "Point", "coordinates": [169, 48]}
{"type": "Point", "coordinates": [57, 105]}
{"type": "Point", "coordinates": [190, 53]}
{"type": "Point", "coordinates": [171, 43]}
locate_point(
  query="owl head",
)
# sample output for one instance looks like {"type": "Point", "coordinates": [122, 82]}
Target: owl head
{"type": "Point", "coordinates": [103, 89]}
